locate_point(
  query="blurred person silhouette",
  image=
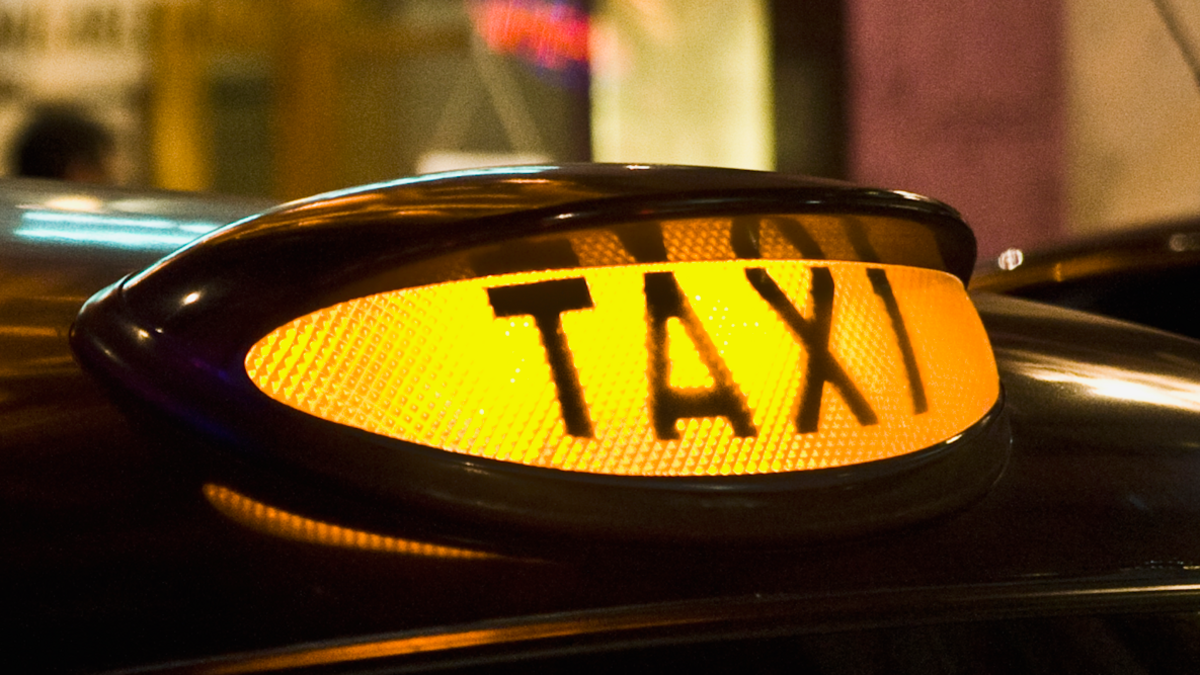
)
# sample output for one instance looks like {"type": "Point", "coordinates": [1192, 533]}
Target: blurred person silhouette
{"type": "Point", "coordinates": [64, 143]}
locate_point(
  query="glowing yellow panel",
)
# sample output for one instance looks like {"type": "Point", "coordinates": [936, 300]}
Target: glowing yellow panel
{"type": "Point", "coordinates": [660, 369]}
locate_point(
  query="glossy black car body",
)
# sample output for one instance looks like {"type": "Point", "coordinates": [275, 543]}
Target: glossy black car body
{"type": "Point", "coordinates": [1144, 275]}
{"type": "Point", "coordinates": [119, 552]}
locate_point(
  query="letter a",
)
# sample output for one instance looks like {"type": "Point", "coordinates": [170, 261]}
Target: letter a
{"type": "Point", "coordinates": [664, 301]}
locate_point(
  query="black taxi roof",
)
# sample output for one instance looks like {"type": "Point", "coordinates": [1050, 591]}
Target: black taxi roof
{"type": "Point", "coordinates": [120, 551]}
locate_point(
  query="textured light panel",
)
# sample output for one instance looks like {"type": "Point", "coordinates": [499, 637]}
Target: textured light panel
{"type": "Point", "coordinates": [660, 369]}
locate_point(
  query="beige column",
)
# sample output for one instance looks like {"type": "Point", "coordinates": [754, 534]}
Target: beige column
{"type": "Point", "coordinates": [180, 145]}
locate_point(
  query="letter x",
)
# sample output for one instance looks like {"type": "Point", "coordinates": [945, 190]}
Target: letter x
{"type": "Point", "coordinates": [814, 333]}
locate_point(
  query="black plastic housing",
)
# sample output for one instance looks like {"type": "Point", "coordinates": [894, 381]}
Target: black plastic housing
{"type": "Point", "coordinates": [173, 341]}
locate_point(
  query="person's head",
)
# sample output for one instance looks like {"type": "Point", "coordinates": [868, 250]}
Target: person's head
{"type": "Point", "coordinates": [62, 142]}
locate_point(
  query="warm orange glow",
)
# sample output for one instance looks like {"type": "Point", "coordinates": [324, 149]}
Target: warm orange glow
{"type": "Point", "coordinates": [470, 366]}
{"type": "Point", "coordinates": [276, 522]}
{"type": "Point", "coordinates": [596, 622]}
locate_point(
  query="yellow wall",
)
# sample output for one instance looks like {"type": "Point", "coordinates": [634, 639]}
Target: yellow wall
{"type": "Point", "coordinates": [1134, 130]}
{"type": "Point", "coordinates": [674, 83]}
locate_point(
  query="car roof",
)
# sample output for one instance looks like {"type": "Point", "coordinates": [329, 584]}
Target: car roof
{"type": "Point", "coordinates": [127, 551]}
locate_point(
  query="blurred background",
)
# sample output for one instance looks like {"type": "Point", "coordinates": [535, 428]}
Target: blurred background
{"type": "Point", "coordinates": [1038, 119]}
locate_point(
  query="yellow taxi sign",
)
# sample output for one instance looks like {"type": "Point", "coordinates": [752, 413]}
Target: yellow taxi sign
{"type": "Point", "coordinates": [659, 355]}
{"type": "Point", "coordinates": [709, 368]}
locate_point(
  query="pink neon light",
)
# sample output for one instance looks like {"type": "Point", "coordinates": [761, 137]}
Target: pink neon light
{"type": "Point", "coordinates": [552, 35]}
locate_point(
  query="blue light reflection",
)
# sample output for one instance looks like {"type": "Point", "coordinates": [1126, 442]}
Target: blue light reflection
{"type": "Point", "coordinates": [116, 230]}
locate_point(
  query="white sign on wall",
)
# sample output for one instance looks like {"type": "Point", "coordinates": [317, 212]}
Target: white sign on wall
{"type": "Point", "coordinates": [90, 53]}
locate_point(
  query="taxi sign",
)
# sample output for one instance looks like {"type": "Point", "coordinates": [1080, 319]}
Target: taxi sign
{"type": "Point", "coordinates": [683, 369]}
{"type": "Point", "coordinates": [603, 351]}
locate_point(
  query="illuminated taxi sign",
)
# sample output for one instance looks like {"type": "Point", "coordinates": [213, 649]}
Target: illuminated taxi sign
{"type": "Point", "coordinates": [668, 369]}
{"type": "Point", "coordinates": [553, 354]}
